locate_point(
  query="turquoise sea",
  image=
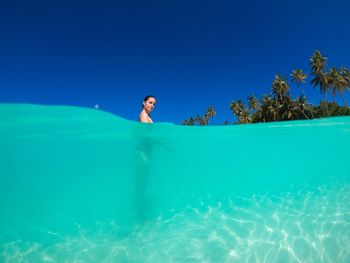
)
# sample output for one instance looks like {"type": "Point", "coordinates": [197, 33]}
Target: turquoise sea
{"type": "Point", "coordinates": [83, 185]}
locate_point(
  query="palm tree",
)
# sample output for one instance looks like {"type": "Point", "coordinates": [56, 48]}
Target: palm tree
{"type": "Point", "coordinates": [301, 104]}
{"type": "Point", "coordinates": [317, 62]}
{"type": "Point", "coordinates": [286, 108]}
{"type": "Point", "coordinates": [191, 121]}
{"type": "Point", "coordinates": [268, 110]}
{"type": "Point", "coordinates": [253, 103]}
{"type": "Point", "coordinates": [318, 65]}
{"type": "Point", "coordinates": [211, 112]}
{"type": "Point", "coordinates": [345, 73]}
{"type": "Point", "coordinates": [199, 120]}
{"type": "Point", "coordinates": [280, 86]}
{"type": "Point", "coordinates": [240, 110]}
{"type": "Point", "coordinates": [237, 107]}
{"type": "Point", "coordinates": [332, 78]}
{"type": "Point", "coordinates": [338, 82]}
{"type": "Point", "coordinates": [255, 107]}
{"type": "Point", "coordinates": [298, 77]}
{"type": "Point", "coordinates": [245, 116]}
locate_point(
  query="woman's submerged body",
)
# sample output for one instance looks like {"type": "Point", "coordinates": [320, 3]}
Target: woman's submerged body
{"type": "Point", "coordinates": [143, 160]}
{"type": "Point", "coordinates": [148, 105]}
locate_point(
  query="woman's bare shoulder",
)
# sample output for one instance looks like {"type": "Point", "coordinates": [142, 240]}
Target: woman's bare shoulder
{"type": "Point", "coordinates": [143, 117]}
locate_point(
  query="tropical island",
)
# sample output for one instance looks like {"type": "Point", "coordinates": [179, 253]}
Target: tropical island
{"type": "Point", "coordinates": [279, 105]}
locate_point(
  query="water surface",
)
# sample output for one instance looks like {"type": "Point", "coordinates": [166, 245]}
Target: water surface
{"type": "Point", "coordinates": [82, 185]}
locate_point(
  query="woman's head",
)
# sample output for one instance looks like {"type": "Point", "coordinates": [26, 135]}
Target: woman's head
{"type": "Point", "coordinates": [148, 103]}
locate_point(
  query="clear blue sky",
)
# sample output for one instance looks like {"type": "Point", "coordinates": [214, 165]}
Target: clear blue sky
{"type": "Point", "coordinates": [189, 54]}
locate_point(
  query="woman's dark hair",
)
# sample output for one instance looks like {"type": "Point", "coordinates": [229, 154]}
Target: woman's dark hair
{"type": "Point", "coordinates": [146, 98]}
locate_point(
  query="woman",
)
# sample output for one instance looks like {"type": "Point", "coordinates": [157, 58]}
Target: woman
{"type": "Point", "coordinates": [143, 164]}
{"type": "Point", "coordinates": [148, 105]}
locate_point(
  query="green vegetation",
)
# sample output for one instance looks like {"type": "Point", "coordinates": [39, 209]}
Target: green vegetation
{"type": "Point", "coordinates": [201, 120]}
{"type": "Point", "coordinates": [279, 104]}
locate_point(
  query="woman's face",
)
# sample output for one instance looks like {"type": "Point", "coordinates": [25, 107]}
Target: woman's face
{"type": "Point", "coordinates": [149, 104]}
